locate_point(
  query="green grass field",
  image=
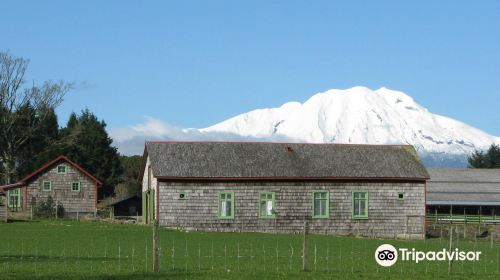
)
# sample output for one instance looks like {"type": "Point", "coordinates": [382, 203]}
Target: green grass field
{"type": "Point", "coordinates": [94, 250]}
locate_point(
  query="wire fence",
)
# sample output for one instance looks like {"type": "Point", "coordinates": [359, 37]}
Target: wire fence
{"type": "Point", "coordinates": [232, 252]}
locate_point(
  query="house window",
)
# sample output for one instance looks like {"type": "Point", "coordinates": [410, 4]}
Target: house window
{"type": "Point", "coordinates": [401, 195]}
{"type": "Point", "coordinates": [321, 204]}
{"type": "Point", "coordinates": [359, 204]}
{"type": "Point", "coordinates": [47, 186]}
{"type": "Point", "coordinates": [14, 198]}
{"type": "Point", "coordinates": [62, 169]}
{"type": "Point", "coordinates": [182, 196]}
{"type": "Point", "coordinates": [75, 186]}
{"type": "Point", "coordinates": [266, 205]}
{"type": "Point", "coordinates": [226, 205]}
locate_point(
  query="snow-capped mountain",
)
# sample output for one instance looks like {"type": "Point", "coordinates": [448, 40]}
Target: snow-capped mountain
{"type": "Point", "coordinates": [360, 115]}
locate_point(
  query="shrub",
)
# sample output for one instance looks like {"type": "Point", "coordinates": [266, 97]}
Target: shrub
{"type": "Point", "coordinates": [48, 209]}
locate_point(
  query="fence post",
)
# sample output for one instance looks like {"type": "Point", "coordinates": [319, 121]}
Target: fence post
{"type": "Point", "coordinates": [305, 266]}
{"type": "Point", "coordinates": [491, 238]}
{"type": "Point", "coordinates": [156, 256]}
{"type": "Point", "coordinates": [450, 260]}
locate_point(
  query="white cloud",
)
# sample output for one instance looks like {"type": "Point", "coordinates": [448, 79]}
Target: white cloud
{"type": "Point", "coordinates": [130, 140]}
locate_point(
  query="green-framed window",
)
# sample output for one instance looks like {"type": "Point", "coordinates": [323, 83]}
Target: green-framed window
{"type": "Point", "coordinates": [76, 186]}
{"type": "Point", "coordinates": [62, 169]}
{"type": "Point", "coordinates": [360, 205]}
{"type": "Point", "coordinates": [321, 204]}
{"type": "Point", "coordinates": [266, 205]}
{"type": "Point", "coordinates": [182, 195]}
{"type": "Point", "coordinates": [225, 205]}
{"type": "Point", "coordinates": [401, 195]}
{"type": "Point", "coordinates": [14, 198]}
{"type": "Point", "coordinates": [46, 186]}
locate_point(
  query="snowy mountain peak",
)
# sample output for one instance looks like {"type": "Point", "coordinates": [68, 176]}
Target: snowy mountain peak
{"type": "Point", "coordinates": [359, 115]}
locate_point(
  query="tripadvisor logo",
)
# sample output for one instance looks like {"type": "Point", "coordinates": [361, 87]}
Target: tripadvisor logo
{"type": "Point", "coordinates": [386, 255]}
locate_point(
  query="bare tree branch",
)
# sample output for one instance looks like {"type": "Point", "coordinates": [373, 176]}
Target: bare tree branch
{"type": "Point", "coordinates": [14, 99]}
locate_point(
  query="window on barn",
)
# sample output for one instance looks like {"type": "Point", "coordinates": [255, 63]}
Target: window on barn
{"type": "Point", "coordinates": [62, 169]}
{"type": "Point", "coordinates": [226, 205]}
{"type": "Point", "coordinates": [76, 186]}
{"type": "Point", "coordinates": [360, 204]}
{"type": "Point", "coordinates": [47, 186]}
{"type": "Point", "coordinates": [321, 204]}
{"type": "Point", "coordinates": [401, 195]}
{"type": "Point", "coordinates": [266, 205]}
{"type": "Point", "coordinates": [14, 198]}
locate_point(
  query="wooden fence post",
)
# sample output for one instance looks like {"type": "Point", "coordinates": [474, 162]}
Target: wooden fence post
{"type": "Point", "coordinates": [305, 263]}
{"type": "Point", "coordinates": [156, 251]}
{"type": "Point", "coordinates": [451, 247]}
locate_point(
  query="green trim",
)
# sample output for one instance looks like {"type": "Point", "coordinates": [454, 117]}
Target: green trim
{"type": "Point", "coordinates": [183, 195]}
{"type": "Point", "coordinates": [144, 205]}
{"type": "Point", "coordinates": [360, 216]}
{"type": "Point", "coordinates": [327, 205]}
{"type": "Point", "coordinates": [50, 186]}
{"type": "Point", "coordinates": [265, 200]}
{"type": "Point", "coordinates": [401, 195]}
{"type": "Point", "coordinates": [219, 204]}
{"type": "Point", "coordinates": [79, 186]}
{"type": "Point", "coordinates": [65, 169]}
{"type": "Point", "coordinates": [151, 206]}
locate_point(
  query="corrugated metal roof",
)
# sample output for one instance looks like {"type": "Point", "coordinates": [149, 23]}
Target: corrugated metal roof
{"type": "Point", "coordinates": [283, 160]}
{"type": "Point", "coordinates": [463, 187]}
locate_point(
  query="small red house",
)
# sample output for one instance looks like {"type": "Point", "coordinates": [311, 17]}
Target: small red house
{"type": "Point", "coordinates": [65, 181]}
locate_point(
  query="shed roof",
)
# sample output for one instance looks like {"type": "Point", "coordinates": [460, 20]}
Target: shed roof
{"type": "Point", "coordinates": [463, 187]}
{"type": "Point", "coordinates": [265, 160]}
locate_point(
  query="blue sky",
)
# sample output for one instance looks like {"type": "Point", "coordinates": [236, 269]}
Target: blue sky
{"type": "Point", "coordinates": [195, 63]}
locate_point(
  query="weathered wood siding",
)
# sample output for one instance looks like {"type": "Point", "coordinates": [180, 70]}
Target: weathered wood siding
{"type": "Point", "coordinates": [82, 202]}
{"type": "Point", "coordinates": [149, 185]}
{"type": "Point", "coordinates": [388, 216]}
{"type": "Point", "coordinates": [3, 208]}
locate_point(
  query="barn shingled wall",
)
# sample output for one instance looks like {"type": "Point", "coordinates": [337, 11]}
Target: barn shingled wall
{"type": "Point", "coordinates": [389, 216]}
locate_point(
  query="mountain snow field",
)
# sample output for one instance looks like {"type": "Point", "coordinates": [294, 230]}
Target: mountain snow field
{"type": "Point", "coordinates": [357, 115]}
{"type": "Point", "coordinates": [360, 115]}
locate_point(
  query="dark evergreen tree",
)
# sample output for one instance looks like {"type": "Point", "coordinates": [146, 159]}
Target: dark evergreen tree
{"type": "Point", "coordinates": [85, 141]}
{"type": "Point", "coordinates": [32, 153]}
{"type": "Point", "coordinates": [488, 159]}
{"type": "Point", "coordinates": [131, 171]}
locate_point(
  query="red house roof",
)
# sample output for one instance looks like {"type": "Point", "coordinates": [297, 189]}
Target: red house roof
{"type": "Point", "coordinates": [24, 180]}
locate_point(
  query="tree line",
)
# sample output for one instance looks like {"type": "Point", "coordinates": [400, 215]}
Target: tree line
{"type": "Point", "coordinates": [30, 134]}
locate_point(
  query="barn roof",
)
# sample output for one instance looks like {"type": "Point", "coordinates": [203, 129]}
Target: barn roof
{"type": "Point", "coordinates": [47, 165]}
{"type": "Point", "coordinates": [463, 187]}
{"type": "Point", "coordinates": [264, 160]}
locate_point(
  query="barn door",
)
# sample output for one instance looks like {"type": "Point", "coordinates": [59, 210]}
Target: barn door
{"type": "Point", "coordinates": [152, 206]}
{"type": "Point", "coordinates": [415, 224]}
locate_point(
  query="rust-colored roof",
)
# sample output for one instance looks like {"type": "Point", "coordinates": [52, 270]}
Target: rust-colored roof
{"type": "Point", "coordinates": [24, 180]}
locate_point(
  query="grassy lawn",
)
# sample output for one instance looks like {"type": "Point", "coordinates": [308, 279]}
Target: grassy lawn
{"type": "Point", "coordinates": [93, 250]}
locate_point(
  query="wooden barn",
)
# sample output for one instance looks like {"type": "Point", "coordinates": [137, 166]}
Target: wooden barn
{"type": "Point", "coordinates": [464, 196]}
{"type": "Point", "coordinates": [65, 181]}
{"type": "Point", "coordinates": [366, 190]}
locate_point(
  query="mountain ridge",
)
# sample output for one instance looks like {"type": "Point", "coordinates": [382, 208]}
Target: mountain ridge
{"type": "Point", "coordinates": [359, 115]}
